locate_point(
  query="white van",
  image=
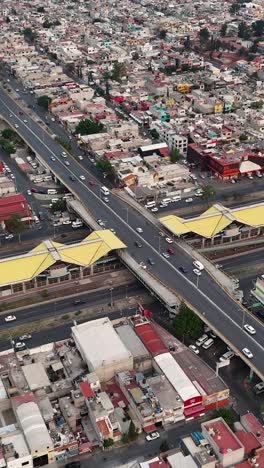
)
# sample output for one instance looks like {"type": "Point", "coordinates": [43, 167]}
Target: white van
{"type": "Point", "coordinates": [47, 178]}
{"type": "Point", "coordinates": [176, 198]}
{"type": "Point", "coordinates": [208, 343]}
{"type": "Point", "coordinates": [201, 340]}
{"type": "Point", "coordinates": [54, 200]}
{"type": "Point", "coordinates": [38, 180]}
{"type": "Point", "coordinates": [227, 355]}
{"type": "Point", "coordinates": [150, 204]}
{"type": "Point", "coordinates": [166, 200]}
{"type": "Point", "coordinates": [52, 192]}
{"type": "Point", "coordinates": [198, 265]}
{"type": "Point", "coordinates": [105, 191]}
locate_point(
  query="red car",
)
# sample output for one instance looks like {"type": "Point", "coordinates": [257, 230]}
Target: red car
{"type": "Point", "coordinates": [171, 251]}
{"type": "Point", "coordinates": [91, 183]}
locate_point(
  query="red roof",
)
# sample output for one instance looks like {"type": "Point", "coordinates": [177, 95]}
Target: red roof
{"type": "Point", "coordinates": [158, 464]}
{"type": "Point", "coordinates": [149, 428]}
{"type": "Point", "coordinates": [149, 337]}
{"type": "Point", "coordinates": [249, 441]}
{"type": "Point", "coordinates": [252, 424]}
{"type": "Point", "coordinates": [13, 204]}
{"type": "Point", "coordinates": [86, 390]}
{"type": "Point", "coordinates": [222, 436]}
{"type": "Point", "coordinates": [193, 411]}
{"type": "Point", "coordinates": [103, 428]}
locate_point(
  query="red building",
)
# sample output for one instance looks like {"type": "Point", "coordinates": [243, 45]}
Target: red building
{"type": "Point", "coordinates": [14, 204]}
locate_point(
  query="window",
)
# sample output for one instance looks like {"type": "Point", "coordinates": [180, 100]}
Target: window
{"type": "Point", "coordinates": [25, 463]}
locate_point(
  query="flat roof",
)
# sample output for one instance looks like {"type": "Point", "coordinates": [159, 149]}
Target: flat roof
{"type": "Point", "coordinates": [222, 435]}
{"type": "Point", "coordinates": [36, 376]}
{"type": "Point", "coordinates": [178, 460]}
{"type": "Point", "coordinates": [215, 219]}
{"type": "Point", "coordinates": [149, 337]}
{"type": "Point", "coordinates": [27, 266]}
{"type": "Point", "coordinates": [100, 343]}
{"type": "Point", "coordinates": [132, 341]}
{"type": "Point", "coordinates": [177, 377]}
{"type": "Point", "coordinates": [34, 428]}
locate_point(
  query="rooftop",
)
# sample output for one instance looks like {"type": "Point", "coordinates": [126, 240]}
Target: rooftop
{"type": "Point", "coordinates": [222, 435]}
{"type": "Point", "coordinates": [149, 337]}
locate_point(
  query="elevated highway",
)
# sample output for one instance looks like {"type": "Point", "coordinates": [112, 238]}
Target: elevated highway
{"type": "Point", "coordinates": [206, 297]}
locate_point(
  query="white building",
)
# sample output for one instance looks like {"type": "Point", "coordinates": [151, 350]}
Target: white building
{"type": "Point", "coordinates": [101, 348]}
{"type": "Point", "coordinates": [14, 452]}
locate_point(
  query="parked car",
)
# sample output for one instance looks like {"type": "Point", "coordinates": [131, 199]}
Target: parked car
{"type": "Point", "coordinates": [166, 255]}
{"type": "Point", "coordinates": [138, 244]}
{"type": "Point", "coordinates": [247, 353]}
{"type": "Point", "coordinates": [82, 177]}
{"type": "Point", "coordinates": [169, 240]}
{"type": "Point", "coordinates": [189, 200]}
{"type": "Point", "coordinates": [152, 436]}
{"type": "Point", "coordinates": [142, 264]}
{"type": "Point", "coordinates": [151, 261]}
{"type": "Point", "coordinates": [74, 464]}
{"type": "Point", "coordinates": [19, 346]}
{"type": "Point", "coordinates": [9, 236]}
{"type": "Point", "coordinates": [139, 230]}
{"type": "Point", "coordinates": [197, 272]}
{"type": "Point", "coordinates": [183, 269]}
{"type": "Point", "coordinates": [171, 251]}
{"type": "Point", "coordinates": [25, 337]}
{"type": "Point", "coordinates": [194, 349]}
{"type": "Point", "coordinates": [251, 330]}
{"type": "Point", "coordinates": [228, 355]}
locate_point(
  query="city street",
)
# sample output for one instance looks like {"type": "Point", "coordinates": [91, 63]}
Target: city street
{"type": "Point", "coordinates": [218, 307]}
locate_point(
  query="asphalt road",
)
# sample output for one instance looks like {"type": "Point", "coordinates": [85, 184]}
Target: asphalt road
{"type": "Point", "coordinates": [209, 298]}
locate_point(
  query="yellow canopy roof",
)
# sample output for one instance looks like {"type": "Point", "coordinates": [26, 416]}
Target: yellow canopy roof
{"type": "Point", "coordinates": [27, 266]}
{"type": "Point", "coordinates": [215, 219]}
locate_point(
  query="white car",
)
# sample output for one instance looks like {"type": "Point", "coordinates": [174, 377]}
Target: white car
{"type": "Point", "coordinates": [251, 330]}
{"type": "Point", "coordinates": [20, 345]}
{"type": "Point", "coordinates": [100, 222]}
{"type": "Point", "coordinates": [25, 337]}
{"type": "Point", "coordinates": [166, 255]}
{"type": "Point", "coordinates": [67, 163]}
{"type": "Point", "coordinates": [247, 353]}
{"type": "Point", "coordinates": [169, 240]}
{"type": "Point", "coordinates": [52, 158]}
{"type": "Point", "coordinates": [139, 230]}
{"type": "Point", "coordinates": [142, 264]}
{"type": "Point", "coordinates": [82, 177]}
{"type": "Point", "coordinates": [66, 221]}
{"type": "Point", "coordinates": [25, 121]}
{"type": "Point", "coordinates": [152, 436]}
{"type": "Point", "coordinates": [197, 272]}
{"type": "Point", "coordinates": [63, 154]}
{"type": "Point", "coordinates": [194, 349]}
{"type": "Point", "coordinates": [154, 210]}
{"type": "Point", "coordinates": [80, 157]}
{"type": "Point", "coordinates": [10, 318]}
{"type": "Point", "coordinates": [16, 126]}
{"type": "Point", "coordinates": [9, 236]}
{"type": "Point", "coordinates": [106, 200]}
{"type": "Point", "coordinates": [189, 200]}
{"type": "Point", "coordinates": [29, 192]}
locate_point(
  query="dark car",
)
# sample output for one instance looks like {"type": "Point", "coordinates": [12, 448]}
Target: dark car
{"type": "Point", "coordinates": [183, 269]}
{"type": "Point", "coordinates": [137, 244]}
{"type": "Point", "coordinates": [73, 179]}
{"type": "Point", "coordinates": [79, 301]}
{"type": "Point", "coordinates": [74, 464]}
{"type": "Point", "coordinates": [171, 251]}
{"type": "Point", "coordinates": [151, 261]}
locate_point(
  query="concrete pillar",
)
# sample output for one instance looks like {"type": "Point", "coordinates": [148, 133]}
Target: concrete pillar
{"type": "Point", "coordinates": [23, 287]}
{"type": "Point", "coordinates": [81, 272]}
{"type": "Point", "coordinates": [251, 374]}
{"type": "Point", "coordinates": [91, 268]}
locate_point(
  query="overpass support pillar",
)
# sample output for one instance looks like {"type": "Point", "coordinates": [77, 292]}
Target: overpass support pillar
{"type": "Point", "coordinates": [251, 374]}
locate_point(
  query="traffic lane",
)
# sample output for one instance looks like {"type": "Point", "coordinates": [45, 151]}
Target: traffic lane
{"type": "Point", "coordinates": [247, 258]}
{"type": "Point", "coordinates": [49, 150]}
{"type": "Point", "coordinates": [67, 304]}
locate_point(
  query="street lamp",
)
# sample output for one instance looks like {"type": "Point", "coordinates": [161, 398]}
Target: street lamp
{"type": "Point", "coordinates": [111, 296]}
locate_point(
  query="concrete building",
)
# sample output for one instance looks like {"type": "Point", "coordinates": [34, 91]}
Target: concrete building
{"type": "Point", "coordinates": [224, 442]}
{"type": "Point", "coordinates": [14, 452]}
{"type": "Point", "coordinates": [101, 348]}
{"type": "Point", "coordinates": [141, 356]}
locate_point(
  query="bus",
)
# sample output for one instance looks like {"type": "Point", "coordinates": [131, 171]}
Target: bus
{"type": "Point", "coordinates": [105, 191]}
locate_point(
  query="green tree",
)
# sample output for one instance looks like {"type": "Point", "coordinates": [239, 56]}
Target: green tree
{"type": "Point", "coordinates": [208, 192]}
{"type": "Point", "coordinates": [257, 104]}
{"type": "Point", "coordinates": [187, 323]}
{"type": "Point", "coordinates": [204, 34]}
{"type": "Point", "coordinates": [7, 147]}
{"type": "Point", "coordinates": [15, 225]}
{"type": "Point", "coordinates": [108, 443]}
{"type": "Point", "coordinates": [41, 9]}
{"type": "Point", "coordinates": [47, 24]}
{"type": "Point", "coordinates": [44, 101]}
{"type": "Point", "coordinates": [243, 31]}
{"type": "Point", "coordinates": [7, 19]}
{"type": "Point", "coordinates": [162, 34]}
{"type": "Point", "coordinates": [132, 432]}
{"type": "Point", "coordinates": [223, 30]}
{"type": "Point", "coordinates": [235, 7]}
{"type": "Point", "coordinates": [243, 137]}
{"type": "Point", "coordinates": [7, 133]}
{"type": "Point", "coordinates": [29, 35]}
{"type": "Point", "coordinates": [226, 414]}
{"type": "Point", "coordinates": [105, 166]}
{"type": "Point", "coordinates": [164, 446]}
{"type": "Point", "coordinates": [88, 127]}
{"type": "Point", "coordinates": [119, 71]}
{"type": "Point", "coordinates": [258, 27]}
{"type": "Point", "coordinates": [60, 205]}
{"type": "Point", "coordinates": [175, 155]}
{"type": "Point", "coordinates": [153, 132]}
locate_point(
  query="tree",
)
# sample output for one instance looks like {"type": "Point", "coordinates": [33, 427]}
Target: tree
{"type": "Point", "coordinates": [208, 192]}
{"type": "Point", "coordinates": [105, 166]}
{"type": "Point", "coordinates": [132, 432]}
{"type": "Point", "coordinates": [164, 446]}
{"type": "Point", "coordinates": [88, 127]}
{"type": "Point", "coordinates": [187, 323]}
{"type": "Point", "coordinates": [44, 101]}
{"type": "Point", "coordinates": [7, 19]}
{"type": "Point", "coordinates": [223, 30]}
{"type": "Point", "coordinates": [235, 7]}
{"type": "Point", "coordinates": [154, 134]}
{"type": "Point", "coordinates": [29, 35]}
{"type": "Point", "coordinates": [41, 9]}
{"type": "Point", "coordinates": [47, 24]}
{"type": "Point", "coordinates": [258, 28]}
{"type": "Point", "coordinates": [7, 147]}
{"type": "Point", "coordinates": [257, 104]}
{"type": "Point", "coordinates": [108, 443]}
{"type": "Point", "coordinates": [243, 137]}
{"type": "Point", "coordinates": [204, 34]}
{"type": "Point", "coordinates": [60, 205]}
{"type": "Point", "coordinates": [119, 71]}
{"type": "Point", "coordinates": [243, 31]}
{"type": "Point", "coordinates": [7, 133]}
{"type": "Point", "coordinates": [175, 155]}
{"type": "Point", "coordinates": [15, 225]}
{"type": "Point", "coordinates": [162, 34]}
{"type": "Point", "coordinates": [226, 414]}
{"type": "Point", "coordinates": [135, 56]}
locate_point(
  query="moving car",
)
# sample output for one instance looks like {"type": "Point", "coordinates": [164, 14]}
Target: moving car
{"type": "Point", "coordinates": [72, 178]}
{"type": "Point", "coordinates": [194, 349]}
{"type": "Point", "coordinates": [25, 121]}
{"type": "Point", "coordinates": [154, 210]}
{"type": "Point", "coordinates": [169, 240]}
{"type": "Point", "coordinates": [183, 269]}
{"type": "Point", "coordinates": [10, 318]}
{"type": "Point", "coordinates": [74, 464]}
{"type": "Point", "coordinates": [139, 230]}
{"type": "Point", "coordinates": [138, 244]}
{"type": "Point", "coordinates": [151, 261]}
{"type": "Point", "coordinates": [25, 337]}
{"type": "Point", "coordinates": [152, 436]}
{"type": "Point", "coordinates": [106, 200]}
{"type": "Point", "coordinates": [247, 353]}
{"type": "Point", "coordinates": [82, 177]}
{"type": "Point", "coordinates": [79, 301]}
{"type": "Point", "coordinates": [227, 355]}
{"type": "Point", "coordinates": [166, 255]}
{"type": "Point", "coordinates": [198, 265]}
{"type": "Point", "coordinates": [63, 154]}
{"type": "Point", "coordinates": [19, 346]}
{"type": "Point", "coordinates": [16, 126]}
{"type": "Point", "coordinates": [52, 158]}
{"type": "Point", "coordinates": [251, 330]}
{"type": "Point", "coordinates": [171, 251]}
{"type": "Point", "coordinates": [67, 163]}
{"type": "Point", "coordinates": [91, 183]}
{"type": "Point", "coordinates": [80, 157]}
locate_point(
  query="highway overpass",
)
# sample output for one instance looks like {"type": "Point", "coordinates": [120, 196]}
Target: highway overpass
{"type": "Point", "coordinates": [207, 298]}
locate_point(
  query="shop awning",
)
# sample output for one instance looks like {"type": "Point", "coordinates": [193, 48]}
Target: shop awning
{"type": "Point", "coordinates": [193, 411]}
